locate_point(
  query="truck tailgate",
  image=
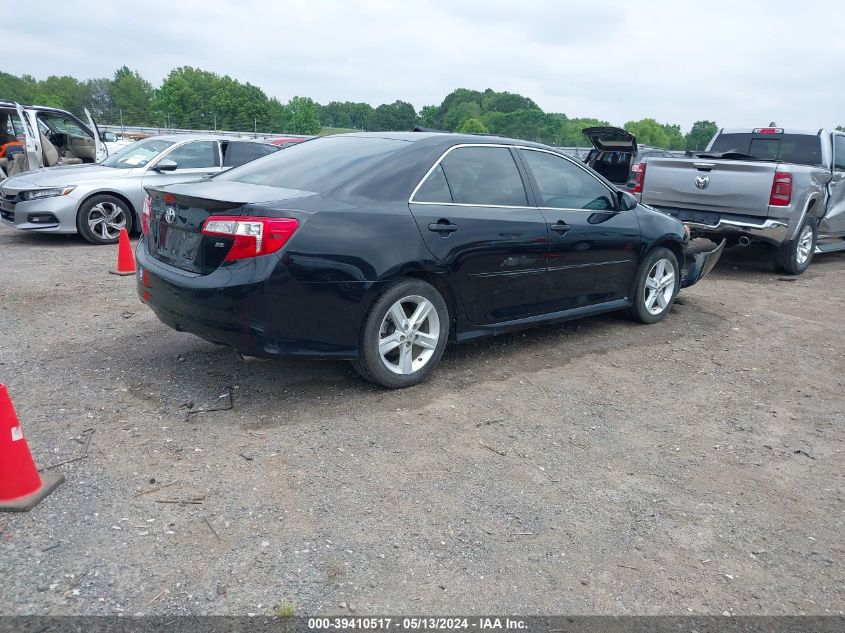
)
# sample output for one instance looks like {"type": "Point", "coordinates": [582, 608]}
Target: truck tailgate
{"type": "Point", "coordinates": [714, 185]}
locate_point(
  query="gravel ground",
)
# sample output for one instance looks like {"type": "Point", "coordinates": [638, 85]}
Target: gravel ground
{"type": "Point", "coordinates": [593, 467]}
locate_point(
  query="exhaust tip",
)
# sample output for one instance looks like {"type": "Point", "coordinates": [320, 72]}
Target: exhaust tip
{"type": "Point", "coordinates": [744, 240]}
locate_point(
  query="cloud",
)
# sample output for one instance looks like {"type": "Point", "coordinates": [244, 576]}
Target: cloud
{"type": "Point", "coordinates": [741, 64]}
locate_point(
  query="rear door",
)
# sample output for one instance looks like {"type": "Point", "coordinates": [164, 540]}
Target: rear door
{"type": "Point", "coordinates": [834, 218]}
{"type": "Point", "coordinates": [611, 139]}
{"type": "Point", "coordinates": [592, 245]}
{"type": "Point", "coordinates": [99, 146]}
{"type": "Point", "coordinates": [474, 215]}
{"type": "Point", "coordinates": [29, 121]}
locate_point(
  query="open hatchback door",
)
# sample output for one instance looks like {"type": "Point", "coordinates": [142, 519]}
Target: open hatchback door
{"type": "Point", "coordinates": [611, 139]}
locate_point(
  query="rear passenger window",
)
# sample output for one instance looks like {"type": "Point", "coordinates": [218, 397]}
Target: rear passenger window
{"type": "Point", "coordinates": [195, 155]}
{"type": "Point", "coordinates": [563, 185]}
{"type": "Point", "coordinates": [484, 176]}
{"type": "Point", "coordinates": [434, 188]}
{"type": "Point", "coordinates": [237, 153]}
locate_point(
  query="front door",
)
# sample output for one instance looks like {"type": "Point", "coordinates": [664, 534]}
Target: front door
{"type": "Point", "coordinates": [194, 160]}
{"type": "Point", "coordinates": [474, 216]}
{"type": "Point", "coordinates": [833, 222]}
{"type": "Point", "coordinates": [592, 245]}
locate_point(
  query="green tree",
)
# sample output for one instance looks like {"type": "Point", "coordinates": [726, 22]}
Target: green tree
{"type": "Point", "coordinates": [675, 138]}
{"type": "Point", "coordinates": [131, 98]}
{"type": "Point", "coordinates": [62, 92]}
{"type": "Point", "coordinates": [648, 132]}
{"type": "Point", "coordinates": [840, 128]}
{"type": "Point", "coordinates": [20, 89]}
{"type": "Point", "coordinates": [427, 117]}
{"type": "Point", "coordinates": [459, 113]}
{"type": "Point", "coordinates": [399, 115]}
{"type": "Point", "coordinates": [473, 126]}
{"type": "Point", "coordinates": [506, 102]}
{"type": "Point", "coordinates": [700, 134]}
{"type": "Point", "coordinates": [302, 117]}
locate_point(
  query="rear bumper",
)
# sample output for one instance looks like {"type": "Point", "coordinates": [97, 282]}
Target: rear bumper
{"type": "Point", "coordinates": [711, 225]}
{"type": "Point", "coordinates": [256, 307]}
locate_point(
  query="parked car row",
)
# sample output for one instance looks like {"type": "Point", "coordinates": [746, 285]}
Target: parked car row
{"type": "Point", "coordinates": [381, 248]}
{"type": "Point", "coordinates": [97, 200]}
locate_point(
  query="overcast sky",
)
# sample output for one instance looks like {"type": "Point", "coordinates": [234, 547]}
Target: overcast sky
{"type": "Point", "coordinates": [739, 63]}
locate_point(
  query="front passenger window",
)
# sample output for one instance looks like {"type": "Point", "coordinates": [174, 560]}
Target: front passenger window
{"type": "Point", "coordinates": [564, 185]}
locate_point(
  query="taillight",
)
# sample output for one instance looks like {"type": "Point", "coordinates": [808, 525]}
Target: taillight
{"type": "Point", "coordinates": [639, 177]}
{"type": "Point", "coordinates": [146, 214]}
{"type": "Point", "coordinates": [781, 189]}
{"type": "Point", "coordinates": [252, 236]}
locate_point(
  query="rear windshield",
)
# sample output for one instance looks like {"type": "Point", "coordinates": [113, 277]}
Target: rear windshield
{"type": "Point", "coordinates": [800, 149]}
{"type": "Point", "coordinates": [317, 165]}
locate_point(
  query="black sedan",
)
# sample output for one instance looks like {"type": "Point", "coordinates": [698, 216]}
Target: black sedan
{"type": "Point", "coordinates": [382, 248]}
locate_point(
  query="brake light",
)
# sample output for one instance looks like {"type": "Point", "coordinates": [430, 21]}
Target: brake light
{"type": "Point", "coordinates": [781, 189]}
{"type": "Point", "coordinates": [146, 214]}
{"type": "Point", "coordinates": [639, 177]}
{"type": "Point", "coordinates": [768, 130]}
{"type": "Point", "coordinates": [252, 236]}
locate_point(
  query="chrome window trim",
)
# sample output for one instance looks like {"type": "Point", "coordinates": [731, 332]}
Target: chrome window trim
{"type": "Point", "coordinates": [502, 206]}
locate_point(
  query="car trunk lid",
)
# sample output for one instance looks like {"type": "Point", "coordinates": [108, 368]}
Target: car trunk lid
{"type": "Point", "coordinates": [178, 212]}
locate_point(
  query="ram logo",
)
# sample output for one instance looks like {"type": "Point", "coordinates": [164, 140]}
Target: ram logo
{"type": "Point", "coordinates": [702, 182]}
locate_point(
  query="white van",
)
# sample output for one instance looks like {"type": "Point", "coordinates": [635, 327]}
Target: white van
{"type": "Point", "coordinates": [32, 137]}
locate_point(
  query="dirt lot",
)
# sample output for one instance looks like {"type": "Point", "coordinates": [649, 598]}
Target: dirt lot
{"type": "Point", "coordinates": [593, 467]}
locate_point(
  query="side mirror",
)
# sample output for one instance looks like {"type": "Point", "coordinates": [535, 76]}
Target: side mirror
{"type": "Point", "coordinates": [165, 164]}
{"type": "Point", "coordinates": [626, 200]}
{"type": "Point", "coordinates": [108, 137]}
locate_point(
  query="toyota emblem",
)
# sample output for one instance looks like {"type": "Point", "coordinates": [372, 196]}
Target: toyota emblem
{"type": "Point", "coordinates": [170, 215]}
{"type": "Point", "coordinates": [702, 182]}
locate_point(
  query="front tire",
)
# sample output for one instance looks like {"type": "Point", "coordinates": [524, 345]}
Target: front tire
{"type": "Point", "coordinates": [794, 256]}
{"type": "Point", "coordinates": [404, 335]}
{"type": "Point", "coordinates": [101, 217]}
{"type": "Point", "coordinates": [657, 283]}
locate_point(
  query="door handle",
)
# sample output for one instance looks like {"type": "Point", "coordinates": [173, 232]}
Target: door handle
{"type": "Point", "coordinates": [560, 227]}
{"type": "Point", "coordinates": [443, 226]}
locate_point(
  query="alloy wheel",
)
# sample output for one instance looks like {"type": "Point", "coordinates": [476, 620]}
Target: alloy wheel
{"type": "Point", "coordinates": [659, 286]}
{"type": "Point", "coordinates": [409, 334]}
{"type": "Point", "coordinates": [805, 245]}
{"type": "Point", "coordinates": [105, 220]}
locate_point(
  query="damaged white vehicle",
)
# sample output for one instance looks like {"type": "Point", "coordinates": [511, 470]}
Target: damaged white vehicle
{"type": "Point", "coordinates": [32, 137]}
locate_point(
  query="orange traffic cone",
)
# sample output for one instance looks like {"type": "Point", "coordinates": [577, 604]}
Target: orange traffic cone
{"type": "Point", "coordinates": [21, 487]}
{"type": "Point", "coordinates": [125, 256]}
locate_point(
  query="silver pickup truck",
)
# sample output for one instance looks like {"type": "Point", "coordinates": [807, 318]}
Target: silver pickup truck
{"type": "Point", "coordinates": [781, 187]}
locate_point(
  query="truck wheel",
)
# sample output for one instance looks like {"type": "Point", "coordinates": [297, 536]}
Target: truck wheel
{"type": "Point", "coordinates": [794, 256]}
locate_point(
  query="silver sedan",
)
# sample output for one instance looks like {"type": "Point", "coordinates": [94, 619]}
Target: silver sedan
{"type": "Point", "coordinates": [98, 200]}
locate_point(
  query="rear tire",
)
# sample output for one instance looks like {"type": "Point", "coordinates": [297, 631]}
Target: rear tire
{"type": "Point", "coordinates": [657, 283]}
{"type": "Point", "coordinates": [404, 335]}
{"type": "Point", "coordinates": [101, 217]}
{"type": "Point", "coordinates": [795, 256]}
